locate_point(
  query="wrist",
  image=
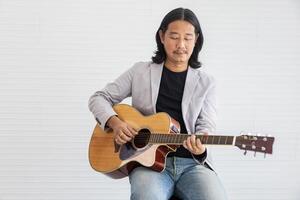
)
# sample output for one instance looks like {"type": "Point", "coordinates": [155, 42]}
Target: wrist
{"type": "Point", "coordinates": [201, 153]}
{"type": "Point", "coordinates": [112, 121]}
{"type": "Point", "coordinates": [201, 157]}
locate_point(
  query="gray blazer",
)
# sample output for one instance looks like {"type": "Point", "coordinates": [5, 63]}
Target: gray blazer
{"type": "Point", "coordinates": [142, 82]}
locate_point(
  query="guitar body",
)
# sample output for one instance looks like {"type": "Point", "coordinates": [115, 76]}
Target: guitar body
{"type": "Point", "coordinates": [117, 161]}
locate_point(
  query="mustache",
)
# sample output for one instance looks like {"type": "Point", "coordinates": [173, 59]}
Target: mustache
{"type": "Point", "coordinates": [180, 51]}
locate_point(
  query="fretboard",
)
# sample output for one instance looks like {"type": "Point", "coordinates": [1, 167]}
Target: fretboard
{"type": "Point", "coordinates": [178, 139]}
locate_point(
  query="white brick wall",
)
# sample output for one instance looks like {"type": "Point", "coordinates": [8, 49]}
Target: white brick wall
{"type": "Point", "coordinates": [55, 54]}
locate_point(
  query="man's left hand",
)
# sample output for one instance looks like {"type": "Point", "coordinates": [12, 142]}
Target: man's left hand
{"type": "Point", "coordinates": [194, 145]}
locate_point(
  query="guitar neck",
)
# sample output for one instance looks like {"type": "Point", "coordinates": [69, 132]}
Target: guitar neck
{"type": "Point", "coordinates": [177, 139]}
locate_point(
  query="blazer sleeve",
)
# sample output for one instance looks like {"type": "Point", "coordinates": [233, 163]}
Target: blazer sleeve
{"type": "Point", "coordinates": [206, 121]}
{"type": "Point", "coordinates": [101, 102]}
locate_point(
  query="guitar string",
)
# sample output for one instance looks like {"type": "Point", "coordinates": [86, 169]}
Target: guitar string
{"type": "Point", "coordinates": [205, 141]}
{"type": "Point", "coordinates": [204, 138]}
{"type": "Point", "coordinates": [246, 146]}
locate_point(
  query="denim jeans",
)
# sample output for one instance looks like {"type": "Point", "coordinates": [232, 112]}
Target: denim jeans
{"type": "Point", "coordinates": [182, 177]}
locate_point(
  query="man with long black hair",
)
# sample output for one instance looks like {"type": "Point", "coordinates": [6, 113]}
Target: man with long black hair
{"type": "Point", "coordinates": [170, 83]}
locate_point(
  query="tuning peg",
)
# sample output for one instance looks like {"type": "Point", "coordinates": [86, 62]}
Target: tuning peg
{"type": "Point", "coordinates": [254, 153]}
{"type": "Point", "coordinates": [265, 155]}
{"type": "Point", "coordinates": [245, 152]}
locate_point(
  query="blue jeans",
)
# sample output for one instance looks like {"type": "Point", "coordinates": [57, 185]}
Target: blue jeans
{"type": "Point", "coordinates": [182, 177]}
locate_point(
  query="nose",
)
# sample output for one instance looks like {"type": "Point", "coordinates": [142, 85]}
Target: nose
{"type": "Point", "coordinates": [181, 44]}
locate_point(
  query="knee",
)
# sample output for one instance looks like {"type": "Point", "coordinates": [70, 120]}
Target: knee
{"type": "Point", "coordinates": [147, 190]}
{"type": "Point", "coordinates": [147, 195]}
{"type": "Point", "coordinates": [147, 184]}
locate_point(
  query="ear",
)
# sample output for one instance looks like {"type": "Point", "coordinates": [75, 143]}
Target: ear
{"type": "Point", "coordinates": [161, 36]}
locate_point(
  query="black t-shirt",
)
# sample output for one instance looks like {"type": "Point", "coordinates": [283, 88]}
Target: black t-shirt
{"type": "Point", "coordinates": [169, 100]}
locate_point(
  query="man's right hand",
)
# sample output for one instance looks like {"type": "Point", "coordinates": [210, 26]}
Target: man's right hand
{"type": "Point", "coordinates": [122, 131]}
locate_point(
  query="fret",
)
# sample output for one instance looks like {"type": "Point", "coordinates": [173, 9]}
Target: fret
{"type": "Point", "coordinates": [229, 140]}
{"type": "Point", "coordinates": [182, 138]}
{"type": "Point", "coordinates": [151, 139]}
{"type": "Point", "coordinates": [216, 139]}
{"type": "Point", "coordinates": [170, 138]}
{"type": "Point", "coordinates": [223, 139]}
{"type": "Point", "coordinates": [160, 138]}
{"type": "Point", "coordinates": [166, 138]}
{"type": "Point", "coordinates": [173, 138]}
{"type": "Point", "coordinates": [210, 139]}
{"type": "Point", "coordinates": [178, 139]}
{"type": "Point", "coordinates": [205, 139]}
{"type": "Point", "coordinates": [213, 138]}
{"type": "Point", "coordinates": [154, 138]}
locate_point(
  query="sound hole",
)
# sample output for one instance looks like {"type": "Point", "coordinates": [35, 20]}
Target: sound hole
{"type": "Point", "coordinates": [142, 138]}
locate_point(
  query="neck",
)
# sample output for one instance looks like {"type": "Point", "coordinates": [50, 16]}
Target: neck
{"type": "Point", "coordinates": [161, 138]}
{"type": "Point", "coordinates": [176, 66]}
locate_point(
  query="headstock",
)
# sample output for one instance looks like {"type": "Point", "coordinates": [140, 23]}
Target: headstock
{"type": "Point", "coordinates": [256, 143]}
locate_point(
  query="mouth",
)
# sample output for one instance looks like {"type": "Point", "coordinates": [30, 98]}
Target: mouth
{"type": "Point", "coordinates": [180, 52]}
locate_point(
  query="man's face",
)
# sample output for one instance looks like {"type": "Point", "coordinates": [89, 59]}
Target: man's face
{"type": "Point", "coordinates": [179, 41]}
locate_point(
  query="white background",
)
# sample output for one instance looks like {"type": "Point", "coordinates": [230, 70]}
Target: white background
{"type": "Point", "coordinates": [54, 54]}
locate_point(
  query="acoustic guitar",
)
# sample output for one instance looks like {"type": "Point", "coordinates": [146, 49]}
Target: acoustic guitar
{"type": "Point", "coordinates": [158, 135]}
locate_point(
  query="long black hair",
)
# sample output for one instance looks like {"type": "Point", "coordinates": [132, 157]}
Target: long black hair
{"type": "Point", "coordinates": [179, 14]}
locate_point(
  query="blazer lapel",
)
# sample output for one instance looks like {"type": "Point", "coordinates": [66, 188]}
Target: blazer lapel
{"type": "Point", "coordinates": [156, 72]}
{"type": "Point", "coordinates": [190, 83]}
